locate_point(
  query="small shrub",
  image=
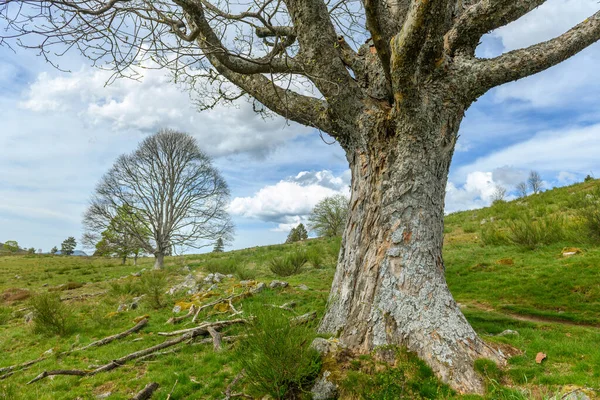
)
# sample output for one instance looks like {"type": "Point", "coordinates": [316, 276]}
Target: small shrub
{"type": "Point", "coordinates": [492, 235]}
{"type": "Point", "coordinates": [530, 233]}
{"type": "Point", "coordinates": [13, 294]}
{"type": "Point", "coordinates": [223, 266]}
{"type": "Point", "coordinates": [277, 356]}
{"type": "Point", "coordinates": [5, 315]}
{"type": "Point", "coordinates": [469, 228]}
{"type": "Point", "coordinates": [153, 285]}
{"type": "Point", "coordinates": [315, 258]}
{"type": "Point", "coordinates": [126, 287]}
{"type": "Point", "coordinates": [243, 273]}
{"type": "Point", "coordinates": [589, 214]}
{"type": "Point", "coordinates": [290, 264]}
{"type": "Point", "coordinates": [50, 315]}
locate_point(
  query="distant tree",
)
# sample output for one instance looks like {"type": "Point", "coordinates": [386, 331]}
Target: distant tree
{"type": "Point", "coordinates": [31, 250]}
{"type": "Point", "coordinates": [301, 231]}
{"type": "Point", "coordinates": [499, 193]}
{"type": "Point", "coordinates": [40, 251]}
{"type": "Point", "coordinates": [297, 234]}
{"type": "Point", "coordinates": [588, 178]}
{"type": "Point", "coordinates": [54, 250]}
{"type": "Point", "coordinates": [116, 240]}
{"type": "Point", "coordinates": [11, 245]}
{"type": "Point", "coordinates": [522, 189]}
{"type": "Point", "coordinates": [172, 191]}
{"type": "Point", "coordinates": [535, 182]}
{"type": "Point", "coordinates": [219, 246]}
{"type": "Point", "coordinates": [68, 246]}
{"type": "Point", "coordinates": [329, 216]}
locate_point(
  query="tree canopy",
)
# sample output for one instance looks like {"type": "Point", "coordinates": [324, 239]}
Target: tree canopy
{"type": "Point", "coordinates": [164, 194]}
{"type": "Point", "coordinates": [68, 245]}
{"type": "Point", "coordinates": [328, 218]}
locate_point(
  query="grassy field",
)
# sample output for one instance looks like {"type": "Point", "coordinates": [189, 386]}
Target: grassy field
{"type": "Point", "coordinates": [552, 301]}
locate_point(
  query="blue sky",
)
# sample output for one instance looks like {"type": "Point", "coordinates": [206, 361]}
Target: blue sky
{"type": "Point", "coordinates": [61, 131]}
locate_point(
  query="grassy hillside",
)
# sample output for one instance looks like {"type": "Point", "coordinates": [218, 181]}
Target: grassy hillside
{"type": "Point", "coordinates": [504, 279]}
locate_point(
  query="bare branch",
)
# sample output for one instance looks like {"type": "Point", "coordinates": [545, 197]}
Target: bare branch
{"type": "Point", "coordinates": [482, 17]}
{"type": "Point", "coordinates": [520, 63]}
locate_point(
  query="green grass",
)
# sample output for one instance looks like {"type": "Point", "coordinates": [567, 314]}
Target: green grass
{"type": "Point", "coordinates": [557, 298]}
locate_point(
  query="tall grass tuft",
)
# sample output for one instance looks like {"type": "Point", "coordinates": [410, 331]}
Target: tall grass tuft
{"type": "Point", "coordinates": [290, 264]}
{"type": "Point", "coordinates": [530, 233]}
{"type": "Point", "coordinates": [277, 356]}
{"type": "Point", "coordinates": [153, 285]}
{"type": "Point", "coordinates": [50, 315]}
{"type": "Point", "coordinates": [315, 258]}
{"type": "Point", "coordinates": [223, 266]}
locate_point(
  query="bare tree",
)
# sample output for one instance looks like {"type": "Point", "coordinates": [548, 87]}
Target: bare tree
{"type": "Point", "coordinates": [499, 193]}
{"type": "Point", "coordinates": [522, 189]}
{"type": "Point", "coordinates": [535, 182]}
{"type": "Point", "coordinates": [172, 191]}
{"type": "Point", "coordinates": [394, 103]}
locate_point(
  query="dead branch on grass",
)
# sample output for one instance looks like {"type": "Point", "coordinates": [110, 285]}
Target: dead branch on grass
{"type": "Point", "coordinates": [146, 392]}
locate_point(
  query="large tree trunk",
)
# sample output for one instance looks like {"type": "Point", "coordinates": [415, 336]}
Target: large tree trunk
{"type": "Point", "coordinates": [389, 286]}
{"type": "Point", "coordinates": [159, 261]}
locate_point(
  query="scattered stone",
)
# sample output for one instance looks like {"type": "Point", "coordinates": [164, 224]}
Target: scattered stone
{"type": "Point", "coordinates": [278, 284]}
{"type": "Point", "coordinates": [177, 309]}
{"type": "Point", "coordinates": [17, 276]}
{"type": "Point", "coordinates": [323, 388]}
{"type": "Point", "coordinates": [104, 395]}
{"type": "Point", "coordinates": [246, 283]}
{"type": "Point", "coordinates": [122, 307]}
{"type": "Point", "coordinates": [134, 305]}
{"type": "Point", "coordinates": [303, 287]}
{"type": "Point", "coordinates": [259, 288]}
{"type": "Point", "coordinates": [189, 284]}
{"type": "Point", "coordinates": [326, 346]}
{"type": "Point", "coordinates": [540, 357]}
{"type": "Point", "coordinates": [218, 277]}
{"type": "Point", "coordinates": [570, 251]}
{"type": "Point", "coordinates": [508, 332]}
{"type": "Point", "coordinates": [28, 317]}
{"type": "Point", "coordinates": [229, 276]}
{"type": "Point", "coordinates": [48, 352]}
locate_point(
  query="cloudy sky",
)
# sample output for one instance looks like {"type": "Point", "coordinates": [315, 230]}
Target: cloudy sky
{"type": "Point", "coordinates": [59, 132]}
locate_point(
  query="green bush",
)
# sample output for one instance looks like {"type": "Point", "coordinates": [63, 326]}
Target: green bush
{"type": "Point", "coordinates": [530, 233]}
{"type": "Point", "coordinates": [277, 356]}
{"type": "Point", "coordinates": [243, 273]}
{"type": "Point", "coordinates": [50, 315]}
{"type": "Point", "coordinates": [315, 258]}
{"type": "Point", "coordinates": [589, 213]}
{"type": "Point", "coordinates": [153, 285]}
{"type": "Point", "coordinates": [125, 287]}
{"type": "Point", "coordinates": [290, 264]}
{"type": "Point", "coordinates": [223, 266]}
{"type": "Point", "coordinates": [5, 315]}
{"type": "Point", "coordinates": [492, 235]}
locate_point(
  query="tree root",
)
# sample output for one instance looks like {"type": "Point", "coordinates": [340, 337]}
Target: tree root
{"type": "Point", "coordinates": [146, 392]}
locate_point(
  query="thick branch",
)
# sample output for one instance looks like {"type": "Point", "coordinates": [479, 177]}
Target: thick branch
{"type": "Point", "coordinates": [520, 63]}
{"type": "Point", "coordinates": [380, 39]}
{"type": "Point", "coordinates": [483, 17]}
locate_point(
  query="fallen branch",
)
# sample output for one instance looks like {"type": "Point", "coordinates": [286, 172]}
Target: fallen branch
{"type": "Point", "coordinates": [216, 337]}
{"type": "Point", "coordinates": [83, 296]}
{"type": "Point", "coordinates": [202, 328]}
{"type": "Point", "coordinates": [158, 353]}
{"type": "Point", "coordinates": [187, 335]}
{"type": "Point", "coordinates": [226, 339]}
{"type": "Point", "coordinates": [175, 320]}
{"type": "Point", "coordinates": [76, 372]}
{"type": "Point", "coordinates": [222, 300]}
{"type": "Point", "coordinates": [302, 319]}
{"type": "Point", "coordinates": [13, 368]}
{"type": "Point", "coordinates": [146, 392]}
{"type": "Point", "coordinates": [228, 394]}
{"type": "Point", "coordinates": [286, 306]}
{"type": "Point", "coordinates": [112, 338]}
{"type": "Point", "coordinates": [172, 389]}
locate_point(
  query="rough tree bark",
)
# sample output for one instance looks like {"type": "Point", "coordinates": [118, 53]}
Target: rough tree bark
{"type": "Point", "coordinates": [394, 104]}
{"type": "Point", "coordinates": [389, 286]}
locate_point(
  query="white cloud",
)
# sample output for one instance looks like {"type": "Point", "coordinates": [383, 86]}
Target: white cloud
{"type": "Point", "coordinates": [153, 103]}
{"type": "Point", "coordinates": [289, 201]}
{"type": "Point", "coordinates": [476, 192]}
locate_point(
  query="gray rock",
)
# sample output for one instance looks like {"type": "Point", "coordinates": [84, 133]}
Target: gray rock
{"type": "Point", "coordinates": [186, 269]}
{"type": "Point", "coordinates": [134, 305]}
{"type": "Point", "coordinates": [218, 277]}
{"type": "Point", "coordinates": [189, 284]}
{"type": "Point", "coordinates": [303, 287]}
{"type": "Point", "coordinates": [17, 276]}
{"type": "Point", "coordinates": [177, 309]}
{"type": "Point", "coordinates": [259, 288]}
{"type": "Point", "coordinates": [104, 395]}
{"type": "Point", "coordinates": [508, 332]}
{"type": "Point", "coordinates": [229, 276]}
{"type": "Point", "coordinates": [278, 284]}
{"type": "Point", "coordinates": [28, 317]}
{"type": "Point", "coordinates": [246, 283]}
{"type": "Point", "coordinates": [323, 388]}
{"type": "Point", "coordinates": [122, 307]}
{"type": "Point", "coordinates": [577, 395]}
{"type": "Point", "coordinates": [45, 285]}
{"type": "Point", "coordinates": [326, 346]}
